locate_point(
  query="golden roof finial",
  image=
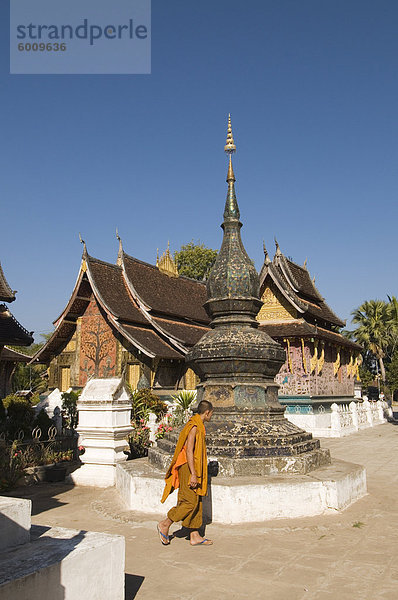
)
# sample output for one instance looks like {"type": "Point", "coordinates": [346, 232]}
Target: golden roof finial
{"type": "Point", "coordinates": [119, 260]}
{"type": "Point", "coordinates": [166, 263]}
{"type": "Point", "coordinates": [157, 257]}
{"type": "Point", "coordinates": [278, 250]}
{"type": "Point", "coordinates": [83, 242]}
{"type": "Point", "coordinates": [266, 256]}
{"type": "Point", "coordinates": [305, 263]}
{"type": "Point", "coordinates": [230, 147]}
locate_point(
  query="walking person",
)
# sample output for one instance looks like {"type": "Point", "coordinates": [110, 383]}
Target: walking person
{"type": "Point", "coordinates": [188, 473]}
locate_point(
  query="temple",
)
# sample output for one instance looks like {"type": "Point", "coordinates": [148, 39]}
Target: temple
{"type": "Point", "coordinates": [13, 333]}
{"type": "Point", "coordinates": [140, 320]}
{"type": "Point", "coordinates": [321, 365]}
{"type": "Point", "coordinates": [128, 318]}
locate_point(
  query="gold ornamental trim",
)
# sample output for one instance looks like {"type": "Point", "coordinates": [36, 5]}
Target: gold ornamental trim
{"type": "Point", "coordinates": [337, 362]}
{"type": "Point", "coordinates": [289, 355]}
{"type": "Point", "coordinates": [321, 360]}
{"type": "Point", "coordinates": [314, 358]}
{"type": "Point", "coordinates": [303, 353]}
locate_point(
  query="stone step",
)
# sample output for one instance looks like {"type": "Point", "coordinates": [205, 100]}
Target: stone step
{"type": "Point", "coordinates": [15, 521]}
{"type": "Point", "coordinates": [63, 563]}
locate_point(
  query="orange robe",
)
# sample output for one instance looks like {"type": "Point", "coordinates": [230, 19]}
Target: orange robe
{"type": "Point", "coordinates": [179, 458]}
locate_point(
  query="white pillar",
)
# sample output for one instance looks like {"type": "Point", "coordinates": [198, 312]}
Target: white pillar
{"type": "Point", "coordinates": [152, 427]}
{"type": "Point", "coordinates": [354, 414]}
{"type": "Point", "coordinates": [367, 407]}
{"type": "Point", "coordinates": [335, 418]}
{"type": "Point", "coordinates": [104, 426]}
{"type": "Point", "coordinates": [380, 411]}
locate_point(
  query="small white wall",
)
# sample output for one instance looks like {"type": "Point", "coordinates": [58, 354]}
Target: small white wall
{"type": "Point", "coordinates": [341, 420]}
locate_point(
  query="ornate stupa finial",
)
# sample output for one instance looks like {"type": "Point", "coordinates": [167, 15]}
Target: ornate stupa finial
{"type": "Point", "coordinates": [230, 147]}
{"type": "Point", "coordinates": [119, 260]}
{"type": "Point", "coordinates": [231, 206]}
{"type": "Point", "coordinates": [84, 244]}
{"type": "Point", "coordinates": [233, 275]}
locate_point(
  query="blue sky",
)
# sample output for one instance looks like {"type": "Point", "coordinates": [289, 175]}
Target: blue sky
{"type": "Point", "coordinates": [312, 87]}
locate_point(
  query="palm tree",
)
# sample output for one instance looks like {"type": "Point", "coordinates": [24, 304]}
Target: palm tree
{"type": "Point", "coordinates": [373, 331]}
{"type": "Point", "coordinates": [392, 324]}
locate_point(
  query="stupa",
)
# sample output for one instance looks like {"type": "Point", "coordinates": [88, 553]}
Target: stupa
{"type": "Point", "coordinates": [261, 465]}
{"type": "Point", "coordinates": [237, 364]}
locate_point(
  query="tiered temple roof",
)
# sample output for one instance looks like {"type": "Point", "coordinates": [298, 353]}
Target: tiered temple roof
{"type": "Point", "coordinates": [159, 314]}
{"type": "Point", "coordinates": [310, 315]}
{"type": "Point", "coordinates": [11, 331]}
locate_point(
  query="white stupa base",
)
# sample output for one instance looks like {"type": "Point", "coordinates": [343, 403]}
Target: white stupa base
{"type": "Point", "coordinates": [94, 475]}
{"type": "Point", "coordinates": [249, 499]}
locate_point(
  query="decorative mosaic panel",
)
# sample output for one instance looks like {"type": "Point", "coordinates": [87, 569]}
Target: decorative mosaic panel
{"type": "Point", "coordinates": [97, 346]}
{"type": "Point", "coordinates": [275, 306]}
{"type": "Point", "coordinates": [296, 382]}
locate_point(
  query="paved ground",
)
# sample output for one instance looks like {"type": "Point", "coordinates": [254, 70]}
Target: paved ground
{"type": "Point", "coordinates": [349, 555]}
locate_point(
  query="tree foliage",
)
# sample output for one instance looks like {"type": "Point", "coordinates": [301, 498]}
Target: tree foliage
{"type": "Point", "coordinates": [377, 332]}
{"type": "Point", "coordinates": [30, 377]}
{"type": "Point", "coordinates": [195, 260]}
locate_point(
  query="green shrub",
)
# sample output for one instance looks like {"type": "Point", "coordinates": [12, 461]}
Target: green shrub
{"type": "Point", "coordinates": [20, 415]}
{"type": "Point", "coordinates": [69, 405]}
{"type": "Point", "coordinates": [139, 441]}
{"type": "Point", "coordinates": [143, 402]}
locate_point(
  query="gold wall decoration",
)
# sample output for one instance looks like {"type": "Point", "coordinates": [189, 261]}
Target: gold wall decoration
{"type": "Point", "coordinates": [166, 263]}
{"type": "Point", "coordinates": [314, 358]}
{"type": "Point", "coordinates": [289, 355]}
{"type": "Point", "coordinates": [303, 356]}
{"type": "Point", "coordinates": [350, 366]}
{"type": "Point", "coordinates": [275, 307]}
{"type": "Point", "coordinates": [133, 373]}
{"type": "Point", "coordinates": [337, 363]}
{"type": "Point", "coordinates": [191, 380]}
{"type": "Point", "coordinates": [356, 368]}
{"type": "Point", "coordinates": [321, 360]}
{"type": "Point", "coordinates": [64, 379]}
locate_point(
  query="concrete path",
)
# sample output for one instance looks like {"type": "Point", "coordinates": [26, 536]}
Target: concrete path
{"type": "Point", "coordinates": [349, 555]}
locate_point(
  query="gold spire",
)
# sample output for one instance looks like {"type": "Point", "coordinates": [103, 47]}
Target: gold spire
{"type": "Point", "coordinates": [230, 147]}
{"type": "Point", "coordinates": [231, 174]}
{"type": "Point", "coordinates": [166, 264]}
{"type": "Point", "coordinates": [305, 264]}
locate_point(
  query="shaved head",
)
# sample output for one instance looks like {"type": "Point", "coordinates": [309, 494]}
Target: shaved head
{"type": "Point", "coordinates": [203, 406]}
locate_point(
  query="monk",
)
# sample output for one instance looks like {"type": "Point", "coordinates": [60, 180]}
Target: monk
{"type": "Point", "coordinates": [188, 474]}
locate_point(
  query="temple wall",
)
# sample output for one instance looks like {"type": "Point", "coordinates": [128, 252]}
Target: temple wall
{"type": "Point", "coordinates": [93, 351]}
{"type": "Point", "coordinates": [309, 377]}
